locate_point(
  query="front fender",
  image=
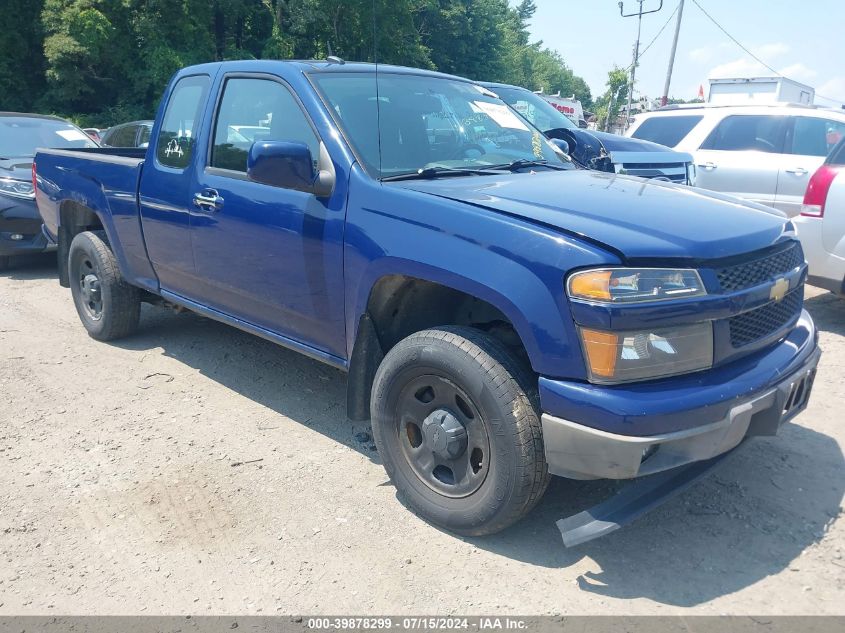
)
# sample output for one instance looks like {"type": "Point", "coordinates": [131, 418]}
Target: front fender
{"type": "Point", "coordinates": [515, 265]}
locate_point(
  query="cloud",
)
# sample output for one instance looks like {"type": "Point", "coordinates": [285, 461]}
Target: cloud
{"type": "Point", "coordinates": [770, 51]}
{"type": "Point", "coordinates": [701, 55]}
{"type": "Point", "coordinates": [833, 88]}
{"type": "Point", "coordinates": [742, 67]}
{"type": "Point", "coordinates": [799, 72]}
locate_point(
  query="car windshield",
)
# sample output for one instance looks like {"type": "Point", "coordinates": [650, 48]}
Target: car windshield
{"type": "Point", "coordinates": [20, 136]}
{"type": "Point", "coordinates": [533, 107]}
{"type": "Point", "coordinates": [409, 124]}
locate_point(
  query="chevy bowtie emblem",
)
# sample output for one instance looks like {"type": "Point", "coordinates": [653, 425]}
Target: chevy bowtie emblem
{"type": "Point", "coordinates": [779, 289]}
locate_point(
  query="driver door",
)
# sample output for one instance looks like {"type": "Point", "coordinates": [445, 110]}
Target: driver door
{"type": "Point", "coordinates": [270, 256]}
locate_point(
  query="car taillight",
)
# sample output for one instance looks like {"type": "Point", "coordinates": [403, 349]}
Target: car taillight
{"type": "Point", "coordinates": [34, 179]}
{"type": "Point", "coordinates": [817, 188]}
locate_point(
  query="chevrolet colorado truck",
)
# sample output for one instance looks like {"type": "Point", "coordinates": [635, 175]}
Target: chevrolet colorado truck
{"type": "Point", "coordinates": [503, 316]}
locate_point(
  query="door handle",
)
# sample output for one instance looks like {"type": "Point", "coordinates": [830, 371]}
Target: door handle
{"type": "Point", "coordinates": [208, 200]}
{"type": "Point", "coordinates": [798, 171]}
{"type": "Point", "coordinates": [708, 165]}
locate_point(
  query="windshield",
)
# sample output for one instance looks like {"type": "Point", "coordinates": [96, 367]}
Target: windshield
{"type": "Point", "coordinates": [533, 107]}
{"type": "Point", "coordinates": [19, 136]}
{"type": "Point", "coordinates": [429, 123]}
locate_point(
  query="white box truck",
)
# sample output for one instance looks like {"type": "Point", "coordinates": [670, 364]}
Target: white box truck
{"type": "Point", "coordinates": [758, 90]}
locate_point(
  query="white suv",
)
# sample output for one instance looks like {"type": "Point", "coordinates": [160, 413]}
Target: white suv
{"type": "Point", "coordinates": [821, 226]}
{"type": "Point", "coordinates": [764, 153]}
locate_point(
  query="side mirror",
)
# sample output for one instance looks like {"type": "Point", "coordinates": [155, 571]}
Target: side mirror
{"type": "Point", "coordinates": [288, 165]}
{"type": "Point", "coordinates": [561, 145]}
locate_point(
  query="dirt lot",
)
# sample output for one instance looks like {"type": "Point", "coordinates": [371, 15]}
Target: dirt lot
{"type": "Point", "coordinates": [194, 468]}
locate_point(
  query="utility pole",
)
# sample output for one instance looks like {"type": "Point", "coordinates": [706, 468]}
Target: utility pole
{"type": "Point", "coordinates": [640, 13]}
{"type": "Point", "coordinates": [665, 98]}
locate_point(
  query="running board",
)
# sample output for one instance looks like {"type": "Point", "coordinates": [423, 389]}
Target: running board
{"type": "Point", "coordinates": [633, 501]}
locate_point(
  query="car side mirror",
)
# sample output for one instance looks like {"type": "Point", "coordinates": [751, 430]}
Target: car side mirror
{"type": "Point", "coordinates": [561, 145]}
{"type": "Point", "coordinates": [288, 165]}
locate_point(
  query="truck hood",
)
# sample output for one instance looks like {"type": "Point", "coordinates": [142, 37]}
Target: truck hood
{"type": "Point", "coordinates": [637, 218]}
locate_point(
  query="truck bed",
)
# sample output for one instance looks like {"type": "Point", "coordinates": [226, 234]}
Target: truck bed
{"type": "Point", "coordinates": [104, 180]}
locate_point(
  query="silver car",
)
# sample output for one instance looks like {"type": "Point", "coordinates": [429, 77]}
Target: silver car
{"type": "Point", "coordinates": [764, 153]}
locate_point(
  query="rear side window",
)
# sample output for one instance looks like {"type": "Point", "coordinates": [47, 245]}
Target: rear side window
{"type": "Point", "coordinates": [175, 144]}
{"type": "Point", "coordinates": [748, 132]}
{"type": "Point", "coordinates": [257, 110]}
{"type": "Point", "coordinates": [812, 136]}
{"type": "Point", "coordinates": [666, 130]}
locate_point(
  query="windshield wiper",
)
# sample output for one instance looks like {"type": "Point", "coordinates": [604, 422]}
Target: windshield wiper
{"type": "Point", "coordinates": [523, 162]}
{"type": "Point", "coordinates": [437, 172]}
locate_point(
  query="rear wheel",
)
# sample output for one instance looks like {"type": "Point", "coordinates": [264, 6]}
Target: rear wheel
{"type": "Point", "coordinates": [108, 307]}
{"type": "Point", "coordinates": [457, 432]}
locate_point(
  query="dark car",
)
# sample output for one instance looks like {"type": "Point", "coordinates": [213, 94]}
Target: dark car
{"type": "Point", "coordinates": [134, 134]}
{"type": "Point", "coordinates": [20, 135]}
{"type": "Point", "coordinates": [598, 150]}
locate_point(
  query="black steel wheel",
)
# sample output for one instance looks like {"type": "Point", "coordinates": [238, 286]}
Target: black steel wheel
{"type": "Point", "coordinates": [108, 307]}
{"type": "Point", "coordinates": [457, 431]}
{"type": "Point", "coordinates": [443, 436]}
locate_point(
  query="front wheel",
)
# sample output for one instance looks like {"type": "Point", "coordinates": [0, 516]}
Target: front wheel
{"type": "Point", "coordinates": [456, 430]}
{"type": "Point", "coordinates": [108, 307]}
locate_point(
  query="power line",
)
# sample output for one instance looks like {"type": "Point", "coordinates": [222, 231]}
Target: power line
{"type": "Point", "coordinates": [654, 39]}
{"type": "Point", "coordinates": [662, 28]}
{"type": "Point", "coordinates": [752, 55]}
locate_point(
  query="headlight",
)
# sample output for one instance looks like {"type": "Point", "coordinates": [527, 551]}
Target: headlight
{"type": "Point", "coordinates": [17, 188]}
{"type": "Point", "coordinates": [630, 285]}
{"type": "Point", "coordinates": [628, 356]}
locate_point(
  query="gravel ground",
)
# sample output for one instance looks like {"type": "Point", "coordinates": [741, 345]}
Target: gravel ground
{"type": "Point", "coordinates": [195, 469]}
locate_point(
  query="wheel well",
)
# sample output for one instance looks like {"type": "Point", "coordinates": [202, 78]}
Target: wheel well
{"type": "Point", "coordinates": [74, 218]}
{"type": "Point", "coordinates": [399, 306]}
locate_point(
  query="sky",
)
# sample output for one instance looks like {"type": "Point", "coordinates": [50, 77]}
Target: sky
{"type": "Point", "coordinates": [801, 40]}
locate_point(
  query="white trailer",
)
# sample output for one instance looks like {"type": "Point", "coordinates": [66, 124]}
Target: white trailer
{"type": "Point", "coordinates": [759, 90]}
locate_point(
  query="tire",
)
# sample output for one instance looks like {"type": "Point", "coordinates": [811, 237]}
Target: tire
{"type": "Point", "coordinates": [108, 307]}
{"type": "Point", "coordinates": [468, 385]}
{"type": "Point", "coordinates": [4, 262]}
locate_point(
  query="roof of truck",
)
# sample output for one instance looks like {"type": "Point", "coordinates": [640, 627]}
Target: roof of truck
{"type": "Point", "coordinates": [334, 65]}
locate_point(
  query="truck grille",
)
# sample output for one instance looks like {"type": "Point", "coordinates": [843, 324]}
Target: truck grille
{"type": "Point", "coordinates": [756, 271]}
{"type": "Point", "coordinates": [766, 320]}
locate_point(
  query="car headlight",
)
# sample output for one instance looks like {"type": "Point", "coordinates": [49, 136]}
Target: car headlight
{"type": "Point", "coordinates": [17, 188]}
{"type": "Point", "coordinates": [631, 285]}
{"type": "Point", "coordinates": [614, 357]}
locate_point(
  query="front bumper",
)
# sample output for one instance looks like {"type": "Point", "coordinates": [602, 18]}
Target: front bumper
{"type": "Point", "coordinates": [773, 390]}
{"type": "Point", "coordinates": [19, 219]}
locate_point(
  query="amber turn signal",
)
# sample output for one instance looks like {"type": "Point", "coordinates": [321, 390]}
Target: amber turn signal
{"type": "Point", "coordinates": [602, 351]}
{"type": "Point", "coordinates": [593, 284]}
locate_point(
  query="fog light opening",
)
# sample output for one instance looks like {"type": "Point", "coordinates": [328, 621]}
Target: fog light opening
{"type": "Point", "coordinates": [16, 237]}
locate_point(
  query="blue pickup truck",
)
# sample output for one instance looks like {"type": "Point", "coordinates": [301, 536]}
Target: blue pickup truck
{"type": "Point", "coordinates": [503, 316]}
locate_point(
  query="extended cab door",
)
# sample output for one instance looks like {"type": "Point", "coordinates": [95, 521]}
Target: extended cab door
{"type": "Point", "coordinates": [267, 255]}
{"type": "Point", "coordinates": [166, 184]}
{"type": "Point", "coordinates": [809, 140]}
{"type": "Point", "coordinates": [742, 157]}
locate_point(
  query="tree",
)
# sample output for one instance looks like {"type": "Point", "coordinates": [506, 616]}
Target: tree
{"type": "Point", "coordinates": [609, 104]}
{"type": "Point", "coordinates": [105, 61]}
{"type": "Point", "coordinates": [21, 55]}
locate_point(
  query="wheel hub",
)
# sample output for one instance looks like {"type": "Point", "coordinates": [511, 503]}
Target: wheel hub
{"type": "Point", "coordinates": [444, 435]}
{"type": "Point", "coordinates": [91, 287]}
